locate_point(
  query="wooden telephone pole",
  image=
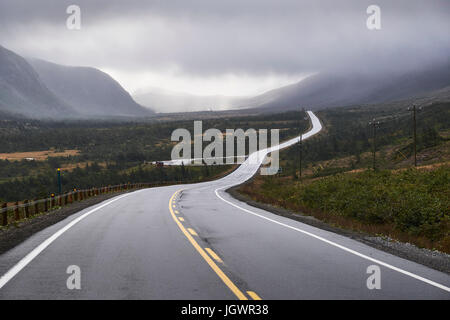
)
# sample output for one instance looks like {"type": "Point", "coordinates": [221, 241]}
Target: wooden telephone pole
{"type": "Point", "coordinates": [375, 124]}
{"type": "Point", "coordinates": [413, 110]}
{"type": "Point", "coordinates": [301, 142]}
{"type": "Point", "coordinates": [302, 110]}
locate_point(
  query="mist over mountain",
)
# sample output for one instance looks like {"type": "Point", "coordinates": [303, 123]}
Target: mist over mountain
{"type": "Point", "coordinates": [239, 48]}
{"type": "Point", "coordinates": [322, 90]}
{"type": "Point", "coordinates": [22, 92]}
{"type": "Point", "coordinates": [341, 88]}
{"type": "Point", "coordinates": [89, 91]}
{"type": "Point", "coordinates": [171, 101]}
{"type": "Point", "coordinates": [40, 89]}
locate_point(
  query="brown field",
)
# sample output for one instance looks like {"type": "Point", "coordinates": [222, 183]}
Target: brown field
{"type": "Point", "coordinates": [37, 155]}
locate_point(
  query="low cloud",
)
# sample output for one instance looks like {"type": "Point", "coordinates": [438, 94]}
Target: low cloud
{"type": "Point", "coordinates": [186, 41]}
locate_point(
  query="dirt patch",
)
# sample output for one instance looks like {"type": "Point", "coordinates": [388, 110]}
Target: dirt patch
{"type": "Point", "coordinates": [37, 155]}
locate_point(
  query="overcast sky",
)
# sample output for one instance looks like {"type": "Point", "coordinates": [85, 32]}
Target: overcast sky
{"type": "Point", "coordinates": [229, 47]}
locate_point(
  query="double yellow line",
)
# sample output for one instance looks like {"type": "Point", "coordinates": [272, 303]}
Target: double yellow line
{"type": "Point", "coordinates": [206, 257]}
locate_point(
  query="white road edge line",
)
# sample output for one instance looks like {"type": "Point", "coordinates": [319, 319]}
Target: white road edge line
{"type": "Point", "coordinates": [36, 251]}
{"type": "Point", "coordinates": [412, 275]}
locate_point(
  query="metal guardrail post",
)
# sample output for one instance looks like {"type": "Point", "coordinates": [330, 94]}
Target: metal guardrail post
{"type": "Point", "coordinates": [27, 209]}
{"type": "Point", "coordinates": [5, 214]}
{"type": "Point", "coordinates": [16, 211]}
{"type": "Point", "coordinates": [36, 206]}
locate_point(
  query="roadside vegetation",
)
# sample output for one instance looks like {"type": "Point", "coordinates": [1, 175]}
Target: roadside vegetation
{"type": "Point", "coordinates": [409, 205]}
{"type": "Point", "coordinates": [340, 187]}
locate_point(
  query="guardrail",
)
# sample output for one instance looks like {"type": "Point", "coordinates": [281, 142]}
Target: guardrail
{"type": "Point", "coordinates": [29, 208]}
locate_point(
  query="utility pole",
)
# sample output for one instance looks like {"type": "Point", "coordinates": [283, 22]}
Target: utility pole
{"type": "Point", "coordinates": [415, 136]}
{"type": "Point", "coordinates": [300, 145]}
{"type": "Point", "coordinates": [413, 109]}
{"type": "Point", "coordinates": [375, 125]}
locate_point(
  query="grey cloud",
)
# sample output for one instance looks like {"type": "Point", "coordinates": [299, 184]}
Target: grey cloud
{"type": "Point", "coordinates": [209, 37]}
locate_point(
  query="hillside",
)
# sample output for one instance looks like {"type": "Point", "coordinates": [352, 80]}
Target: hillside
{"type": "Point", "coordinates": [22, 91]}
{"type": "Point", "coordinates": [91, 92]}
{"type": "Point", "coordinates": [341, 88]}
{"type": "Point", "coordinates": [319, 91]}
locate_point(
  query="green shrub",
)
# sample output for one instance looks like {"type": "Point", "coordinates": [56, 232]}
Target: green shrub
{"type": "Point", "coordinates": [414, 201]}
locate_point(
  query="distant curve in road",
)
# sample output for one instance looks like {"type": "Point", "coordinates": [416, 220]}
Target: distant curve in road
{"type": "Point", "coordinates": [197, 242]}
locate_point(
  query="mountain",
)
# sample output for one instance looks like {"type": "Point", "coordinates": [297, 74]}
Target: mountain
{"type": "Point", "coordinates": [22, 92]}
{"type": "Point", "coordinates": [40, 89]}
{"type": "Point", "coordinates": [322, 90]}
{"type": "Point", "coordinates": [89, 91]}
{"type": "Point", "coordinates": [170, 101]}
{"type": "Point", "coordinates": [332, 89]}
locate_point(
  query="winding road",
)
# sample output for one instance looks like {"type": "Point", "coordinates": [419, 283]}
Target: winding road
{"type": "Point", "coordinates": [197, 242]}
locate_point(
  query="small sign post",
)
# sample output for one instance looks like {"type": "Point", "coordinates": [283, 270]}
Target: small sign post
{"type": "Point", "coordinates": [59, 181]}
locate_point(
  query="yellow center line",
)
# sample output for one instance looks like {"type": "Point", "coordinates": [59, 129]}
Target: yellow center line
{"type": "Point", "coordinates": [253, 295]}
{"type": "Point", "coordinates": [176, 211]}
{"type": "Point", "coordinates": [214, 255]}
{"type": "Point", "coordinates": [192, 231]}
{"type": "Point", "coordinates": [181, 218]}
{"type": "Point", "coordinates": [205, 256]}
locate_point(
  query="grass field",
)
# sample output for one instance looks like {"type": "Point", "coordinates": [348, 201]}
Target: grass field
{"type": "Point", "coordinates": [411, 205]}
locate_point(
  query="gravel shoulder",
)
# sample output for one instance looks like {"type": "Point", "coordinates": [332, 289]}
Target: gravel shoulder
{"type": "Point", "coordinates": [434, 259]}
